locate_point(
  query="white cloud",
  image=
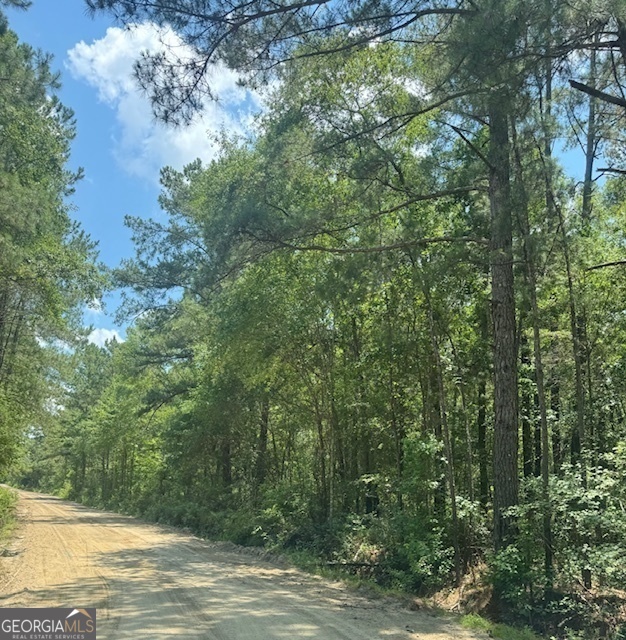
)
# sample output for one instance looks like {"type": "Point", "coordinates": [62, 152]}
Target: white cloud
{"type": "Point", "coordinates": [141, 145]}
{"type": "Point", "coordinates": [100, 337]}
{"type": "Point", "coordinates": [93, 309]}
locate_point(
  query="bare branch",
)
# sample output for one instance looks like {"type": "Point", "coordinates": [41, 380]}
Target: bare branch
{"type": "Point", "coordinates": [427, 197]}
{"type": "Point", "coordinates": [472, 146]}
{"type": "Point", "coordinates": [405, 244]}
{"type": "Point", "coordinates": [596, 93]}
{"type": "Point", "coordinates": [621, 172]}
{"type": "Point", "coordinates": [615, 263]}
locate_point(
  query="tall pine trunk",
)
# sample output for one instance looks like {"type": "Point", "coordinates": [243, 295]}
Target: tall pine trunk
{"type": "Point", "coordinates": [505, 435]}
{"type": "Point", "coordinates": [542, 440]}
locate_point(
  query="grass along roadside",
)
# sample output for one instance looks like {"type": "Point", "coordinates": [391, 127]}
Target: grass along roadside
{"type": "Point", "coordinates": [472, 621]}
{"type": "Point", "coordinates": [475, 622]}
{"type": "Point", "coordinates": [8, 515]}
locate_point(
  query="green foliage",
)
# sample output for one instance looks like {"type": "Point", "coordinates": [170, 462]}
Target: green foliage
{"type": "Point", "coordinates": [476, 623]}
{"type": "Point", "coordinates": [312, 366]}
{"type": "Point", "coordinates": [47, 264]}
{"type": "Point", "coordinates": [8, 502]}
{"type": "Point", "coordinates": [512, 577]}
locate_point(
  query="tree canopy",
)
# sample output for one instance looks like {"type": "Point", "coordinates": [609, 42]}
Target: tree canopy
{"type": "Point", "coordinates": [47, 264]}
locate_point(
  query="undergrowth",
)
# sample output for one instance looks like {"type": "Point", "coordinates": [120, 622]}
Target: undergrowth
{"type": "Point", "coordinates": [475, 622]}
{"type": "Point", "coordinates": [8, 502]}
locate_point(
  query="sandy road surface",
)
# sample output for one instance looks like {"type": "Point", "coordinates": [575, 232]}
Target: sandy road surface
{"type": "Point", "coordinates": [151, 582]}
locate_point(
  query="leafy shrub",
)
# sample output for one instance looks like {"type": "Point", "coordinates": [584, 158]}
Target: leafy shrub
{"type": "Point", "coordinates": [8, 502]}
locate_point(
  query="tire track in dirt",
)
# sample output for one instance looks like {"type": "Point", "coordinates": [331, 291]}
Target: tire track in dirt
{"type": "Point", "coordinates": [154, 582]}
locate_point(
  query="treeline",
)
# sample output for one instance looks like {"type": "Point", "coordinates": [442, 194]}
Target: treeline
{"type": "Point", "coordinates": [387, 328]}
{"type": "Point", "coordinates": [47, 264]}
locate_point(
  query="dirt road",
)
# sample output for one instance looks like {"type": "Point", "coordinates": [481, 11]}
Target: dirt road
{"type": "Point", "coordinates": [151, 582]}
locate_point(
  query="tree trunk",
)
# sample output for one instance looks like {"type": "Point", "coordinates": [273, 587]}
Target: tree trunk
{"type": "Point", "coordinates": [483, 465]}
{"type": "Point", "coordinates": [435, 420]}
{"type": "Point", "coordinates": [590, 151]}
{"type": "Point", "coordinates": [449, 461]}
{"type": "Point", "coordinates": [555, 407]}
{"type": "Point", "coordinates": [261, 453]}
{"type": "Point", "coordinates": [226, 463]}
{"type": "Point", "coordinates": [528, 452]}
{"type": "Point", "coordinates": [505, 445]}
{"type": "Point", "coordinates": [542, 436]}
{"type": "Point", "coordinates": [397, 426]}
{"type": "Point", "coordinates": [466, 423]}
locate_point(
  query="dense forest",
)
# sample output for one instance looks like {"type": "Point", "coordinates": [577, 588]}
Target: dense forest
{"type": "Point", "coordinates": [387, 328]}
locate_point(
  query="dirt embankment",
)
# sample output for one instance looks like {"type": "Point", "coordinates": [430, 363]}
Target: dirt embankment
{"type": "Point", "coordinates": [152, 582]}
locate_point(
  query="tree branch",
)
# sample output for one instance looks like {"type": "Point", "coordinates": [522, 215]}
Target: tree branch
{"type": "Point", "coordinates": [418, 242]}
{"type": "Point", "coordinates": [435, 195]}
{"type": "Point", "coordinates": [472, 146]}
{"type": "Point", "coordinates": [621, 172]}
{"type": "Point", "coordinates": [596, 93]}
{"type": "Point", "coordinates": [615, 263]}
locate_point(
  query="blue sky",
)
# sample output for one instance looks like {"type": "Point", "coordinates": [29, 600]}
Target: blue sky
{"type": "Point", "coordinates": [118, 143]}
